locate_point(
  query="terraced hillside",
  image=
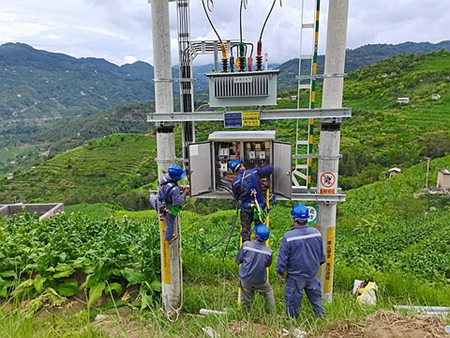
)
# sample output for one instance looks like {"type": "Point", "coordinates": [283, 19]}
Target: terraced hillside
{"type": "Point", "coordinates": [107, 169]}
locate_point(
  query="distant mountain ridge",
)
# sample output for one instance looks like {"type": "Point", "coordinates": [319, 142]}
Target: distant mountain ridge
{"type": "Point", "coordinates": [40, 85]}
{"type": "Point", "coordinates": [52, 101]}
{"type": "Point", "coordinates": [357, 58]}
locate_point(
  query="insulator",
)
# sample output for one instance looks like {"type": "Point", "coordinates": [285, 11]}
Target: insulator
{"type": "Point", "coordinates": [225, 65]}
{"type": "Point", "coordinates": [250, 63]}
{"type": "Point", "coordinates": [232, 64]}
{"type": "Point", "coordinates": [259, 62]}
{"type": "Point", "coordinates": [242, 64]}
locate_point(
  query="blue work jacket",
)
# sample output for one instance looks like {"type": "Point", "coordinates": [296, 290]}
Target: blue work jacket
{"type": "Point", "coordinates": [254, 257]}
{"type": "Point", "coordinates": [301, 253]}
{"type": "Point", "coordinates": [241, 191]}
{"type": "Point", "coordinates": [175, 196]}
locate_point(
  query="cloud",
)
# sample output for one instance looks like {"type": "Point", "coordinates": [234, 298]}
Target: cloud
{"type": "Point", "coordinates": [120, 30]}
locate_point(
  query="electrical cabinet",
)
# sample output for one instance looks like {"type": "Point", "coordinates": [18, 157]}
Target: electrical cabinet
{"type": "Point", "coordinates": [209, 161]}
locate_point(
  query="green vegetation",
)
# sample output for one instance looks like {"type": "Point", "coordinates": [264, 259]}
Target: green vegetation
{"type": "Point", "coordinates": [92, 173]}
{"type": "Point", "coordinates": [99, 251]}
{"type": "Point", "coordinates": [406, 254]}
{"type": "Point", "coordinates": [383, 133]}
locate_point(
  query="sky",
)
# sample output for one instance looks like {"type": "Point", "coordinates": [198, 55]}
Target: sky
{"type": "Point", "coordinates": [120, 31]}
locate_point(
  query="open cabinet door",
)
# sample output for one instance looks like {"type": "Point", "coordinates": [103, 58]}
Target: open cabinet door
{"type": "Point", "coordinates": [282, 163]}
{"type": "Point", "coordinates": [200, 164]}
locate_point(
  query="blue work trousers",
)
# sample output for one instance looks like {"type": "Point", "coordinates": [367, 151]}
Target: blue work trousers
{"type": "Point", "coordinates": [293, 295]}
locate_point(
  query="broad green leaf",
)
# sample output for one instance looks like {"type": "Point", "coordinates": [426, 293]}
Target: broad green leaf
{"type": "Point", "coordinates": [68, 288]}
{"type": "Point", "coordinates": [133, 277]}
{"type": "Point", "coordinates": [88, 268]}
{"type": "Point", "coordinates": [95, 292]}
{"type": "Point", "coordinates": [156, 285]}
{"type": "Point", "coordinates": [39, 284]}
{"type": "Point", "coordinates": [9, 273]}
{"type": "Point", "coordinates": [65, 270]}
{"type": "Point", "coordinates": [63, 267]}
{"type": "Point", "coordinates": [78, 263]}
{"type": "Point", "coordinates": [146, 300]}
{"type": "Point", "coordinates": [4, 288]}
{"type": "Point", "coordinates": [114, 272]}
{"type": "Point", "coordinates": [116, 287]}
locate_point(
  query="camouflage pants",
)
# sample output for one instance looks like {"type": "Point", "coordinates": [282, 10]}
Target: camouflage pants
{"type": "Point", "coordinates": [247, 216]}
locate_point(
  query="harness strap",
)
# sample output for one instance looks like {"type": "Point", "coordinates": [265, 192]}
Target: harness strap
{"type": "Point", "coordinates": [163, 199]}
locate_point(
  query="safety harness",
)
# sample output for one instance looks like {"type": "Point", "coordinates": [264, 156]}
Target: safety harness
{"type": "Point", "coordinates": [164, 204]}
{"type": "Point", "coordinates": [253, 200]}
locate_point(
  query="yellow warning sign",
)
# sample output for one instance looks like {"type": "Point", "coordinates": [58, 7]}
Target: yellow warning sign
{"type": "Point", "coordinates": [165, 253]}
{"type": "Point", "coordinates": [251, 119]}
{"type": "Point", "coordinates": [329, 261]}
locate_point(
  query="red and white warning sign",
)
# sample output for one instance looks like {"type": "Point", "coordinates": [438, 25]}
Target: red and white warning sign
{"type": "Point", "coordinates": [327, 183]}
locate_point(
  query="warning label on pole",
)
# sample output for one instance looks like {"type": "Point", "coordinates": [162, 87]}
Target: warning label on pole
{"type": "Point", "coordinates": [251, 119]}
{"type": "Point", "coordinates": [327, 183]}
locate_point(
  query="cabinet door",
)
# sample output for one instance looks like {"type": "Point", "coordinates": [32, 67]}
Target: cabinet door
{"type": "Point", "coordinates": [200, 168]}
{"type": "Point", "coordinates": [282, 163]}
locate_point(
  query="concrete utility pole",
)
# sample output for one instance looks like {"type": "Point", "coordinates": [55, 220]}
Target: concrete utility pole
{"type": "Point", "coordinates": [330, 135]}
{"type": "Point", "coordinates": [165, 141]}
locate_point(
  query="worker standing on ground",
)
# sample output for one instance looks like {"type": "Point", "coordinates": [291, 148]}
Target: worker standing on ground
{"type": "Point", "coordinates": [255, 257]}
{"type": "Point", "coordinates": [300, 256]}
{"type": "Point", "coordinates": [169, 200]}
{"type": "Point", "coordinates": [247, 187]}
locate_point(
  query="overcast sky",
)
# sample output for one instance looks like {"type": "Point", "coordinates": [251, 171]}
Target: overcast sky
{"type": "Point", "coordinates": [120, 30]}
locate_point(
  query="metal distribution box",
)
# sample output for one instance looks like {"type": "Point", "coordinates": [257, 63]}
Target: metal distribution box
{"type": "Point", "coordinates": [209, 161]}
{"type": "Point", "coordinates": [258, 88]}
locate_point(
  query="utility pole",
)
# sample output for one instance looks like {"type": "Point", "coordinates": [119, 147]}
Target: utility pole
{"type": "Point", "coordinates": [330, 135]}
{"type": "Point", "coordinates": [165, 142]}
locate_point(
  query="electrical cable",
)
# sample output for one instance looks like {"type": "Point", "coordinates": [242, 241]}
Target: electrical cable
{"type": "Point", "coordinates": [228, 232]}
{"type": "Point", "coordinates": [209, 19]}
{"type": "Point", "coordinates": [265, 21]}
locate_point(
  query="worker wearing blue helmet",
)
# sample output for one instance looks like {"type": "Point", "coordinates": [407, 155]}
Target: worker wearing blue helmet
{"type": "Point", "coordinates": [248, 188]}
{"type": "Point", "coordinates": [169, 199]}
{"type": "Point", "coordinates": [300, 255]}
{"type": "Point", "coordinates": [254, 257]}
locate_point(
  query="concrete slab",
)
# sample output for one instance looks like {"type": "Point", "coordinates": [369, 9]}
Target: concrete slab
{"type": "Point", "coordinates": [45, 210]}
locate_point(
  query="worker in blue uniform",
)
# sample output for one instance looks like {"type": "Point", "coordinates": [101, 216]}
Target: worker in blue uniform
{"type": "Point", "coordinates": [255, 257]}
{"type": "Point", "coordinates": [300, 255]}
{"type": "Point", "coordinates": [247, 187]}
{"type": "Point", "coordinates": [169, 199]}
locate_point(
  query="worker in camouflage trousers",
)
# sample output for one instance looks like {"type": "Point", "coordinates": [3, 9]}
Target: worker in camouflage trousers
{"type": "Point", "coordinates": [248, 188]}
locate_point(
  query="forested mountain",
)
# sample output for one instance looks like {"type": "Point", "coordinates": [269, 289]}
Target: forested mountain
{"type": "Point", "coordinates": [356, 58]}
{"type": "Point", "coordinates": [52, 102]}
{"type": "Point", "coordinates": [40, 86]}
{"type": "Point", "coordinates": [381, 134]}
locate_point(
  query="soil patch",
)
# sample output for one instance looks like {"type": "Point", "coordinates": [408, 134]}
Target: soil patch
{"type": "Point", "coordinates": [382, 324]}
{"type": "Point", "coordinates": [386, 324]}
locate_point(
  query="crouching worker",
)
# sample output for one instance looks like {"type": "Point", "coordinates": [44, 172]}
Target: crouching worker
{"type": "Point", "coordinates": [169, 200]}
{"type": "Point", "coordinates": [255, 257]}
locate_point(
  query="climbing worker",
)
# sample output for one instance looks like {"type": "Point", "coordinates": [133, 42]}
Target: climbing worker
{"type": "Point", "coordinates": [255, 257]}
{"type": "Point", "coordinates": [300, 256]}
{"type": "Point", "coordinates": [247, 187]}
{"type": "Point", "coordinates": [169, 200]}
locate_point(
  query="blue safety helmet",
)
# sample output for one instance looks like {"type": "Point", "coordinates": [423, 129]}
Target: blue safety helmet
{"type": "Point", "coordinates": [262, 232]}
{"type": "Point", "coordinates": [234, 165]}
{"type": "Point", "coordinates": [176, 172]}
{"type": "Point", "coordinates": [300, 212]}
